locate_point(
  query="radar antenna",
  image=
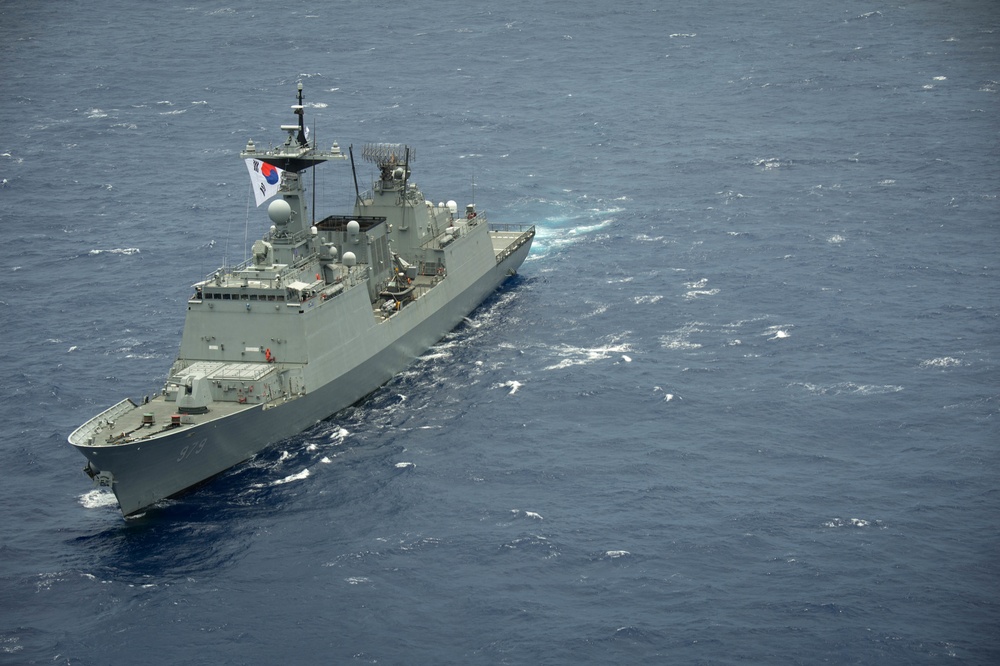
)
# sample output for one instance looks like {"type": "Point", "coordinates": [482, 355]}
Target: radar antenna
{"type": "Point", "coordinates": [300, 112]}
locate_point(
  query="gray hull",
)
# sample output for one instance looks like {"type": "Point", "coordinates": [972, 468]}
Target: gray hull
{"type": "Point", "coordinates": [143, 472]}
{"type": "Point", "coordinates": [323, 313]}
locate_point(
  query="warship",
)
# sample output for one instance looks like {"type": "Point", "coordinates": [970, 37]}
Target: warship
{"type": "Point", "coordinates": [319, 315]}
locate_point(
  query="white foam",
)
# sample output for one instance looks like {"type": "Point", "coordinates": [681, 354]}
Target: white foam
{"type": "Point", "coordinates": [769, 163]}
{"type": "Point", "coordinates": [943, 362]}
{"type": "Point", "coordinates": [697, 288]}
{"type": "Point", "coordinates": [98, 498]}
{"type": "Point", "coordinates": [404, 465]}
{"type": "Point", "coordinates": [614, 554]}
{"type": "Point", "coordinates": [646, 300]}
{"type": "Point", "coordinates": [584, 355]}
{"type": "Point", "coordinates": [852, 388]}
{"type": "Point", "coordinates": [527, 514]}
{"type": "Point", "coordinates": [695, 293]}
{"type": "Point", "coordinates": [325, 460]}
{"type": "Point", "coordinates": [120, 250]}
{"type": "Point", "coordinates": [679, 339]}
{"type": "Point", "coordinates": [304, 474]}
{"type": "Point", "coordinates": [626, 358]}
{"type": "Point", "coordinates": [835, 239]}
{"type": "Point", "coordinates": [850, 522]}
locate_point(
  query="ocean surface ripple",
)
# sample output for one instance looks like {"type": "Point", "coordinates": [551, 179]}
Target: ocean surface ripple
{"type": "Point", "coordinates": [739, 406]}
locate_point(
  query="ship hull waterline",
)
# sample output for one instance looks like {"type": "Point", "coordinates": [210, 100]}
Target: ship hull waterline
{"type": "Point", "coordinates": [147, 471]}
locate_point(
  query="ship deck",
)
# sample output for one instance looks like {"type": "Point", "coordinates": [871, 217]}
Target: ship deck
{"type": "Point", "coordinates": [128, 422]}
{"type": "Point", "coordinates": [506, 238]}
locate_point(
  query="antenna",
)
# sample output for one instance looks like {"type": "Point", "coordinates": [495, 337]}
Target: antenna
{"type": "Point", "coordinates": [300, 112]}
{"type": "Point", "coordinates": [315, 140]}
{"type": "Point", "coordinates": [357, 193]}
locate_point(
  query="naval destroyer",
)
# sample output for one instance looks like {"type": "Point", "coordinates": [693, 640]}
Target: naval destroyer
{"type": "Point", "coordinates": [321, 314]}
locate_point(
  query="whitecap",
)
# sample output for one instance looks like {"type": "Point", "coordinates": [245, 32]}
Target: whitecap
{"type": "Point", "coordinates": [850, 522]}
{"type": "Point", "coordinates": [585, 355]}
{"type": "Point", "coordinates": [404, 465]}
{"type": "Point", "coordinates": [852, 388]}
{"type": "Point", "coordinates": [695, 293]}
{"type": "Point", "coordinates": [647, 300]}
{"type": "Point", "coordinates": [835, 239]}
{"type": "Point", "coordinates": [777, 332]}
{"type": "Point", "coordinates": [943, 362]}
{"type": "Point", "coordinates": [679, 339]}
{"type": "Point", "coordinates": [615, 554]}
{"type": "Point", "coordinates": [769, 163]}
{"type": "Point", "coordinates": [626, 358]}
{"type": "Point", "coordinates": [71, 349]}
{"type": "Point", "coordinates": [126, 251]}
{"type": "Point", "coordinates": [304, 474]}
{"type": "Point", "coordinates": [325, 460]}
{"type": "Point", "coordinates": [532, 514]}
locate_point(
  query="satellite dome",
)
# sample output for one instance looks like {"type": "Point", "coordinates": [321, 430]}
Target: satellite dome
{"type": "Point", "coordinates": [279, 211]}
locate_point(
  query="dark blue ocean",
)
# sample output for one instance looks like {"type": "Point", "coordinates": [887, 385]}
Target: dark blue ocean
{"type": "Point", "coordinates": [740, 405]}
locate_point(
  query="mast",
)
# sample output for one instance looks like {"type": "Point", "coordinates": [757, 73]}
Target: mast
{"type": "Point", "coordinates": [293, 156]}
{"type": "Point", "coordinates": [300, 111]}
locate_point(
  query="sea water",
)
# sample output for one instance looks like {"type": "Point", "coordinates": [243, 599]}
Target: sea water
{"type": "Point", "coordinates": [739, 406]}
